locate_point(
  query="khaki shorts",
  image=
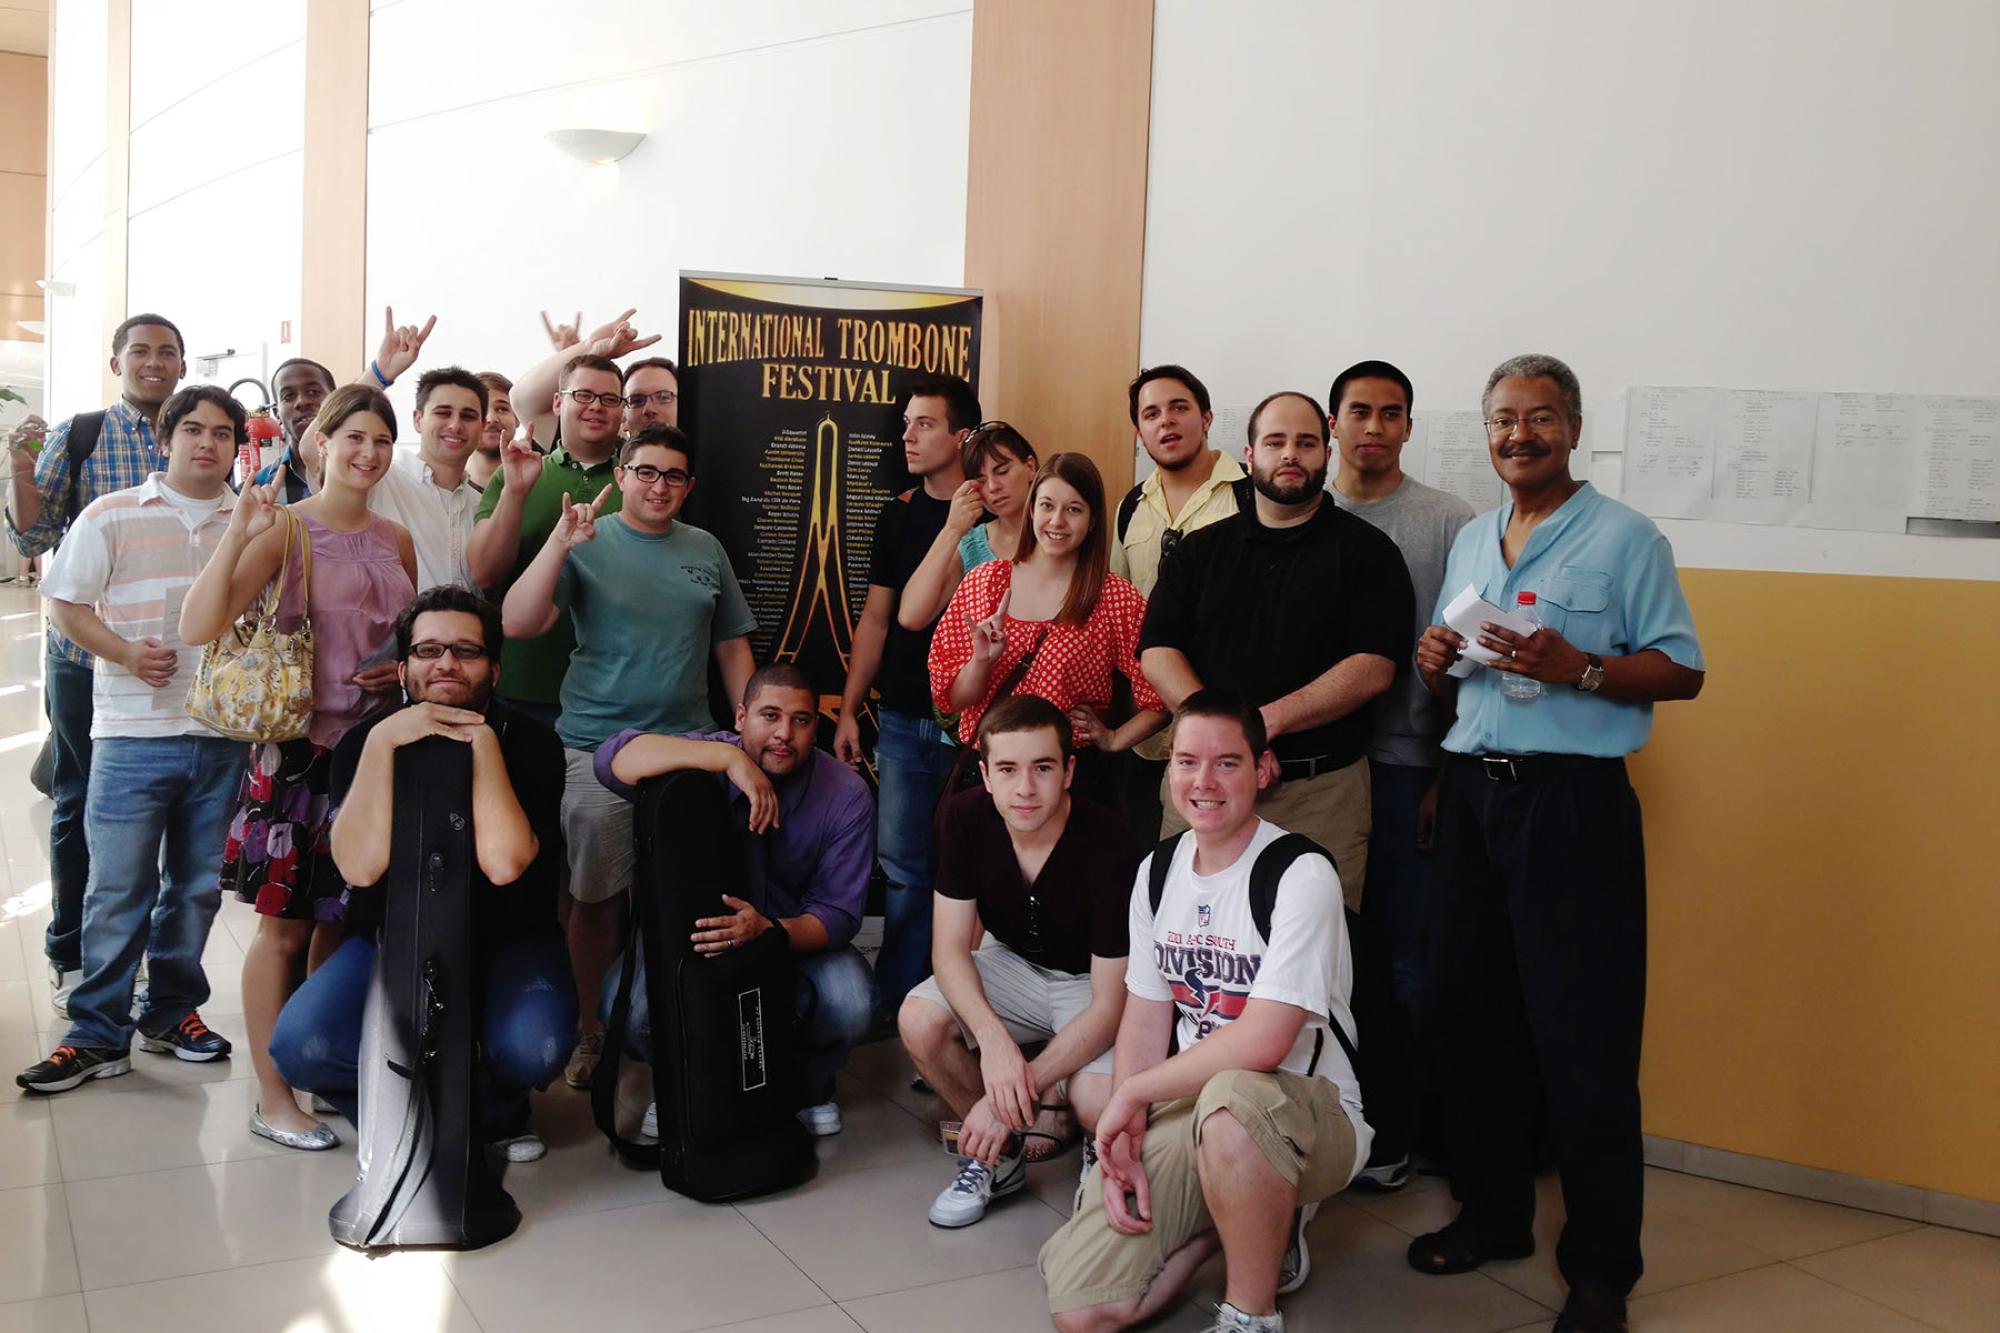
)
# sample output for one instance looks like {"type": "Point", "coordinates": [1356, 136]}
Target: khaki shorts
{"type": "Point", "coordinates": [597, 830]}
{"type": "Point", "coordinates": [1296, 1121]}
{"type": "Point", "coordinates": [1034, 1002]}
{"type": "Point", "coordinates": [1333, 809]}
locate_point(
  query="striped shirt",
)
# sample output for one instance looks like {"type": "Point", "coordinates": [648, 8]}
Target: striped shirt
{"type": "Point", "coordinates": [127, 452]}
{"type": "Point", "coordinates": [131, 556]}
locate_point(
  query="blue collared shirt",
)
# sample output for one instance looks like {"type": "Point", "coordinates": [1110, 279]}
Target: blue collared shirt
{"type": "Point", "coordinates": [1604, 579]}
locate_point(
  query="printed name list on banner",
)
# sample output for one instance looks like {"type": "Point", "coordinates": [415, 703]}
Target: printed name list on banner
{"type": "Point", "coordinates": [792, 390]}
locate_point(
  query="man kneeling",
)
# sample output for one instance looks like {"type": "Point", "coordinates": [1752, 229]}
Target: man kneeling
{"type": "Point", "coordinates": [447, 643]}
{"type": "Point", "coordinates": [1028, 944]}
{"type": "Point", "coordinates": [806, 865]}
{"type": "Point", "coordinates": [1227, 1143]}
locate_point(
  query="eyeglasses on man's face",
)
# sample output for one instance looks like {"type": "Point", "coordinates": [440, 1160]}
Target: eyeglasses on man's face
{"type": "Point", "coordinates": [430, 650]}
{"type": "Point", "coordinates": [585, 397]}
{"type": "Point", "coordinates": [649, 475]}
{"type": "Point", "coordinates": [658, 398]}
{"type": "Point", "coordinates": [1543, 422]}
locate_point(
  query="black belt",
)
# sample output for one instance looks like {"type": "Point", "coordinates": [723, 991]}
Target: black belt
{"type": "Point", "coordinates": [1299, 770]}
{"type": "Point", "coordinates": [1521, 767]}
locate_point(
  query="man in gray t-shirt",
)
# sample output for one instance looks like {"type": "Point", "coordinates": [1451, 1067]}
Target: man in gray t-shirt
{"type": "Point", "coordinates": [1369, 420]}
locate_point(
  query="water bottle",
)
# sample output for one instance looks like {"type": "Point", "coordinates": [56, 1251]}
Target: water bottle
{"type": "Point", "coordinates": [1514, 686]}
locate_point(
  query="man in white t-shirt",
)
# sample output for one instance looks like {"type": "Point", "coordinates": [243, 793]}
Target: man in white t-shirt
{"type": "Point", "coordinates": [428, 491]}
{"type": "Point", "coordinates": [162, 785]}
{"type": "Point", "coordinates": [1228, 1143]}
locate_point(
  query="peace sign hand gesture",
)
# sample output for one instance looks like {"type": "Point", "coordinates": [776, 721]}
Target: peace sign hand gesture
{"type": "Point", "coordinates": [400, 344]}
{"type": "Point", "coordinates": [989, 636]}
{"type": "Point", "coordinates": [578, 523]}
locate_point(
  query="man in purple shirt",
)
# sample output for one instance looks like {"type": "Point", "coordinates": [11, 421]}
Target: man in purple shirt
{"type": "Point", "coordinates": [810, 852]}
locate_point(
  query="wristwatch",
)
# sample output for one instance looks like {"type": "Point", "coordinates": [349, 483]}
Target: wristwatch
{"type": "Point", "coordinates": [1593, 673]}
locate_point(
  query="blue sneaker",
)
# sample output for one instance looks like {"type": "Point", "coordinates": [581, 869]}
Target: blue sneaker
{"type": "Point", "coordinates": [190, 1039]}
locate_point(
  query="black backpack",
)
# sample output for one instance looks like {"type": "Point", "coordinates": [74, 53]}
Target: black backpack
{"type": "Point", "coordinates": [727, 1067]}
{"type": "Point", "coordinates": [424, 1177]}
{"type": "Point", "coordinates": [1371, 996]}
{"type": "Point", "coordinates": [1128, 507]}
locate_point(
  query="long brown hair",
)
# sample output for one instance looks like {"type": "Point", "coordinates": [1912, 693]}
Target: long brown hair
{"type": "Point", "coordinates": [1093, 558]}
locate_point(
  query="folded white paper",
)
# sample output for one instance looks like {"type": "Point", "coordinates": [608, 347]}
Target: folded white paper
{"type": "Point", "coordinates": [1466, 613]}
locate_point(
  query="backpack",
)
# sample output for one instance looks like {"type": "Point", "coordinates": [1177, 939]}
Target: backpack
{"type": "Point", "coordinates": [84, 430]}
{"type": "Point", "coordinates": [1128, 507]}
{"type": "Point", "coordinates": [1370, 1000]}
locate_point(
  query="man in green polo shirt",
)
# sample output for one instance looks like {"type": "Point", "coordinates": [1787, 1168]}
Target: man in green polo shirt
{"type": "Point", "coordinates": [520, 509]}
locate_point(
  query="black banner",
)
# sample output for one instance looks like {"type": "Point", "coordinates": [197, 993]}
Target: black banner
{"type": "Point", "coordinates": [792, 391]}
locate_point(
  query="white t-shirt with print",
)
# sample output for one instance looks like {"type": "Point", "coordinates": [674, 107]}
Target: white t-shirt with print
{"type": "Point", "coordinates": [1208, 960]}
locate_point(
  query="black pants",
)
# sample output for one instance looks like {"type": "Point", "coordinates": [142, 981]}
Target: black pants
{"type": "Point", "coordinates": [1538, 966]}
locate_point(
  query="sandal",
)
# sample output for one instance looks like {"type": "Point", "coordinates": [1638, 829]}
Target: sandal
{"type": "Point", "coordinates": [1462, 1246]}
{"type": "Point", "coordinates": [1059, 1136]}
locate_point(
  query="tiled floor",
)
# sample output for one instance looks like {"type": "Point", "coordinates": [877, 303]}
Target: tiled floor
{"type": "Point", "coordinates": [143, 1203]}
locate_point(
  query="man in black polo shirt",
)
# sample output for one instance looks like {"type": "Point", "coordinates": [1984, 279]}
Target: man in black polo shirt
{"type": "Point", "coordinates": [1302, 609]}
{"type": "Point", "coordinates": [1049, 878]}
{"type": "Point", "coordinates": [913, 756]}
{"type": "Point", "coordinates": [527, 1001]}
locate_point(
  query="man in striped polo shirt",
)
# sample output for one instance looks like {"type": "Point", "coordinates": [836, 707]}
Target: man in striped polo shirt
{"type": "Point", "coordinates": [162, 786]}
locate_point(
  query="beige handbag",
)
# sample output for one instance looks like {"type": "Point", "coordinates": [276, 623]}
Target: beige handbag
{"type": "Point", "coordinates": [254, 683]}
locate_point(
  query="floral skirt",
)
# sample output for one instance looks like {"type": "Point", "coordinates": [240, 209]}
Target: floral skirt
{"type": "Point", "coordinates": [278, 856]}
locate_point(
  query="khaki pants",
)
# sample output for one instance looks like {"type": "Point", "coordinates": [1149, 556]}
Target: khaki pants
{"type": "Point", "coordinates": [1333, 809]}
{"type": "Point", "coordinates": [1296, 1121]}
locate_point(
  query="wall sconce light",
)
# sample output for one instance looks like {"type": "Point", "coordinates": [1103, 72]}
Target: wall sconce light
{"type": "Point", "coordinates": [596, 146]}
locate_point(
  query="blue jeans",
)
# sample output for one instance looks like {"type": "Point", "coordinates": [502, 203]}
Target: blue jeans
{"type": "Point", "coordinates": [834, 1006]}
{"type": "Point", "coordinates": [912, 763]}
{"type": "Point", "coordinates": [157, 818]}
{"type": "Point", "coordinates": [527, 1026]}
{"type": "Point", "coordinates": [66, 699]}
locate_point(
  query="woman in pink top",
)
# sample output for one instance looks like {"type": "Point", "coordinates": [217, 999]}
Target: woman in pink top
{"type": "Point", "coordinates": [364, 571]}
{"type": "Point", "coordinates": [1057, 607]}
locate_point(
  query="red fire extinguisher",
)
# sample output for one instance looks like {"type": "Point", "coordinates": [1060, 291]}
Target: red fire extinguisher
{"type": "Point", "coordinates": [261, 429]}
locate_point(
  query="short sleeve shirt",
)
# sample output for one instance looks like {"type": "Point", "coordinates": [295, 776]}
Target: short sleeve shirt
{"type": "Point", "coordinates": [1265, 611]}
{"type": "Point", "coordinates": [648, 607]}
{"type": "Point", "coordinates": [904, 531]}
{"type": "Point", "coordinates": [1073, 912]}
{"type": "Point", "coordinates": [1604, 579]}
{"type": "Point", "coordinates": [532, 669]}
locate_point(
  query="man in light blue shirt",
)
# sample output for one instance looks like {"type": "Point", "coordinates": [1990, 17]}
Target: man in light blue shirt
{"type": "Point", "coordinates": [1539, 953]}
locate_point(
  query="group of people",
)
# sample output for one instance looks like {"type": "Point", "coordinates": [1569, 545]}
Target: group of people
{"type": "Point", "coordinates": [1146, 775]}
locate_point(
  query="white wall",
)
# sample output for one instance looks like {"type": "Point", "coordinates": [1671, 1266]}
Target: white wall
{"type": "Point", "coordinates": [825, 140]}
{"type": "Point", "coordinates": [1790, 194]}
{"type": "Point", "coordinates": [77, 340]}
{"type": "Point", "coordinates": [218, 138]}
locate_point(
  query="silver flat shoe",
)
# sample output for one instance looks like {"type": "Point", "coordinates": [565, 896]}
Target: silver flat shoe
{"type": "Point", "coordinates": [317, 1139]}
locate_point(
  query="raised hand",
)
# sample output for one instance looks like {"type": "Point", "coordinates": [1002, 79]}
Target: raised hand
{"type": "Point", "coordinates": [255, 512]}
{"type": "Point", "coordinates": [26, 439]}
{"type": "Point", "coordinates": [967, 507]}
{"type": "Point", "coordinates": [562, 337]}
{"type": "Point", "coordinates": [618, 337]}
{"type": "Point", "coordinates": [520, 465]}
{"type": "Point", "coordinates": [400, 344]}
{"type": "Point", "coordinates": [989, 636]}
{"type": "Point", "coordinates": [578, 523]}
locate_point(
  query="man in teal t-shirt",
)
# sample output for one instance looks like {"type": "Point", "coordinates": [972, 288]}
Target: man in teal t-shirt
{"type": "Point", "coordinates": [651, 599]}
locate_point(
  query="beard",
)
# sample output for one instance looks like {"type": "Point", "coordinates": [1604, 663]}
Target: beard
{"type": "Point", "coordinates": [1268, 487]}
{"type": "Point", "coordinates": [478, 694]}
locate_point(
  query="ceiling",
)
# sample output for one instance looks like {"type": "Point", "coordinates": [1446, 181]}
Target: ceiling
{"type": "Point", "coordinates": [24, 26]}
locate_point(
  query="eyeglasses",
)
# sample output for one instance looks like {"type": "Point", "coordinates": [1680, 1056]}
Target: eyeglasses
{"type": "Point", "coordinates": [649, 475]}
{"type": "Point", "coordinates": [658, 398]}
{"type": "Point", "coordinates": [430, 650]}
{"type": "Point", "coordinates": [585, 397]}
{"type": "Point", "coordinates": [1538, 423]}
{"type": "Point", "coordinates": [1034, 940]}
{"type": "Point", "coordinates": [1169, 539]}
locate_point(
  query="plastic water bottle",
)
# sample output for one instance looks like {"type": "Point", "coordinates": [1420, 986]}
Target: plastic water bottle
{"type": "Point", "coordinates": [1514, 686]}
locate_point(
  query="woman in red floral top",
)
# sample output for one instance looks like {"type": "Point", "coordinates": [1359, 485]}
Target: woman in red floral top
{"type": "Point", "coordinates": [1059, 602]}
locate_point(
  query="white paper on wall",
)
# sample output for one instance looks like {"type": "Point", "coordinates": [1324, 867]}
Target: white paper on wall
{"type": "Point", "coordinates": [1455, 459]}
{"type": "Point", "coordinates": [1955, 458]}
{"type": "Point", "coordinates": [1861, 462]}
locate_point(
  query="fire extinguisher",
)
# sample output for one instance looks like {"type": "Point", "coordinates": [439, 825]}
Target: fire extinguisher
{"type": "Point", "coordinates": [261, 429]}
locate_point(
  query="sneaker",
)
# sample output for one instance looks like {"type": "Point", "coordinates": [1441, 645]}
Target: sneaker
{"type": "Point", "coordinates": [1083, 1176]}
{"type": "Point", "coordinates": [523, 1147]}
{"type": "Point", "coordinates": [1386, 1178]}
{"type": "Point", "coordinates": [964, 1201]}
{"type": "Point", "coordinates": [583, 1061]}
{"type": "Point", "coordinates": [1298, 1264]}
{"type": "Point", "coordinates": [72, 1065]}
{"type": "Point", "coordinates": [62, 985]}
{"type": "Point", "coordinates": [649, 1124]}
{"type": "Point", "coordinates": [190, 1039]}
{"type": "Point", "coordinates": [1229, 1319]}
{"type": "Point", "coordinates": [823, 1119]}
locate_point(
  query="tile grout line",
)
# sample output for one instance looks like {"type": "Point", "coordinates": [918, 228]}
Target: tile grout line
{"type": "Point", "coordinates": [1860, 1295]}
